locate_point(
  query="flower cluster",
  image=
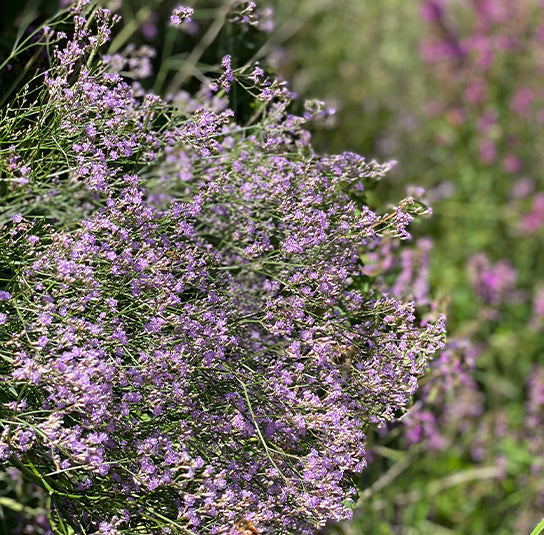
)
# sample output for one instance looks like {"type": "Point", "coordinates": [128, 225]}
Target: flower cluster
{"type": "Point", "coordinates": [495, 283]}
{"type": "Point", "coordinates": [457, 402]}
{"type": "Point", "coordinates": [195, 341]}
{"type": "Point", "coordinates": [181, 14]}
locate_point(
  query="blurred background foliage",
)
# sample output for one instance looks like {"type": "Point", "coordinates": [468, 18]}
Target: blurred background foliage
{"type": "Point", "coordinates": [451, 90]}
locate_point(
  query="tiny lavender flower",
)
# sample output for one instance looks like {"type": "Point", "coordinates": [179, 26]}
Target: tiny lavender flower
{"type": "Point", "coordinates": [181, 14]}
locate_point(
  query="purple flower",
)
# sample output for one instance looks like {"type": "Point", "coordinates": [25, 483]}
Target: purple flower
{"type": "Point", "coordinates": [181, 14]}
{"type": "Point", "coordinates": [228, 76]}
{"type": "Point", "coordinates": [493, 282]}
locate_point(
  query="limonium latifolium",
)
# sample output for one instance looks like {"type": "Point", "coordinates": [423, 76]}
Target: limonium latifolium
{"type": "Point", "coordinates": [188, 336]}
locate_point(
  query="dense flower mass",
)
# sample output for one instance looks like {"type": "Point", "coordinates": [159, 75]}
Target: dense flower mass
{"type": "Point", "coordinates": [197, 340]}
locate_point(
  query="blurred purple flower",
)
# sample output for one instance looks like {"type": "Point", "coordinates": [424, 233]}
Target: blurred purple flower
{"type": "Point", "coordinates": [493, 283]}
{"type": "Point", "coordinates": [534, 220]}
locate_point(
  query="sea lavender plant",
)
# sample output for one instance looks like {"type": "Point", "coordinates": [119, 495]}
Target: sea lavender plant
{"type": "Point", "coordinates": [188, 335]}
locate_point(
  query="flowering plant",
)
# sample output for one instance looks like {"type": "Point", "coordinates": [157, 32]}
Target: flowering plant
{"type": "Point", "coordinates": [188, 334]}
